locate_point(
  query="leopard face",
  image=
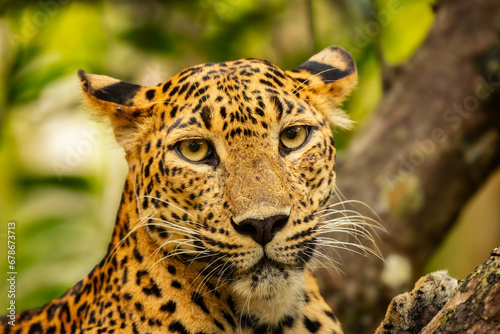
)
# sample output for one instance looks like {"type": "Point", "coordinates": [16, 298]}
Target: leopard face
{"type": "Point", "coordinates": [230, 162]}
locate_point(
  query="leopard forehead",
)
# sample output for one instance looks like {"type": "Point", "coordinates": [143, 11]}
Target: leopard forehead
{"type": "Point", "coordinates": [247, 99]}
{"type": "Point", "coordinates": [240, 98]}
{"type": "Point", "coordinates": [241, 90]}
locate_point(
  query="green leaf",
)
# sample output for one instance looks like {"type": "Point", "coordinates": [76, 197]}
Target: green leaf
{"type": "Point", "coordinates": [404, 25]}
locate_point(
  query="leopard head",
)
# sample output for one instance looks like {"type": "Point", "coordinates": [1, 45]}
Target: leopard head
{"type": "Point", "coordinates": [230, 162]}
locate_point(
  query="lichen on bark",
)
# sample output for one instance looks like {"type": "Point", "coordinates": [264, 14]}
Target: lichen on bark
{"type": "Point", "coordinates": [475, 308]}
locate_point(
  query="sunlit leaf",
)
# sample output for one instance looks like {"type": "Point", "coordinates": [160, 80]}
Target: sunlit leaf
{"type": "Point", "coordinates": [402, 25]}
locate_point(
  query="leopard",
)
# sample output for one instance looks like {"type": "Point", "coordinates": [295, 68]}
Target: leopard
{"type": "Point", "coordinates": [229, 165]}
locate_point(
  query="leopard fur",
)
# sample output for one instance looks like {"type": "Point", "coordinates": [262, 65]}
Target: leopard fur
{"type": "Point", "coordinates": [220, 244]}
{"type": "Point", "coordinates": [195, 248]}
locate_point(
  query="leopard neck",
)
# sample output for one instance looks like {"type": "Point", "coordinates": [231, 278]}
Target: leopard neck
{"type": "Point", "coordinates": [129, 239]}
{"type": "Point", "coordinates": [127, 217]}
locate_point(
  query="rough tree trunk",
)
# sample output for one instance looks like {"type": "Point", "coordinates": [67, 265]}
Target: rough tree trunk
{"type": "Point", "coordinates": [475, 308]}
{"type": "Point", "coordinates": [433, 141]}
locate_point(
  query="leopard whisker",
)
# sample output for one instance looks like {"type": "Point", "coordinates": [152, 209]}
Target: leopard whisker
{"type": "Point", "coordinates": [169, 241]}
{"type": "Point", "coordinates": [177, 227]}
{"type": "Point", "coordinates": [343, 201]}
{"type": "Point", "coordinates": [176, 241]}
{"type": "Point", "coordinates": [221, 274]}
{"type": "Point", "coordinates": [345, 213]}
{"type": "Point", "coordinates": [347, 224]}
{"type": "Point", "coordinates": [245, 304]}
{"type": "Point", "coordinates": [355, 229]}
{"type": "Point", "coordinates": [175, 206]}
{"type": "Point", "coordinates": [188, 232]}
{"type": "Point", "coordinates": [317, 255]}
{"type": "Point", "coordinates": [335, 264]}
{"type": "Point", "coordinates": [217, 287]}
{"type": "Point", "coordinates": [342, 245]}
{"type": "Point", "coordinates": [353, 246]}
{"type": "Point", "coordinates": [141, 223]}
{"type": "Point", "coordinates": [208, 276]}
{"type": "Point", "coordinates": [360, 245]}
{"type": "Point", "coordinates": [171, 255]}
{"type": "Point", "coordinates": [210, 254]}
{"type": "Point", "coordinates": [223, 271]}
{"type": "Point", "coordinates": [207, 266]}
{"type": "Point", "coordinates": [351, 219]}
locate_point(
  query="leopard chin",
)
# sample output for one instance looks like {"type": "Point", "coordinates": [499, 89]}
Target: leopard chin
{"type": "Point", "coordinates": [267, 279]}
{"type": "Point", "coordinates": [266, 285]}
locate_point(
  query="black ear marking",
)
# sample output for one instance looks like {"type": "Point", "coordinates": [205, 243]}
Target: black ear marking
{"type": "Point", "coordinates": [120, 92]}
{"type": "Point", "coordinates": [329, 76]}
{"type": "Point", "coordinates": [326, 72]}
{"type": "Point", "coordinates": [319, 65]}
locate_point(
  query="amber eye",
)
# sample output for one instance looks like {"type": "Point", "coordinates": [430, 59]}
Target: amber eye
{"type": "Point", "coordinates": [194, 149]}
{"type": "Point", "coordinates": [294, 136]}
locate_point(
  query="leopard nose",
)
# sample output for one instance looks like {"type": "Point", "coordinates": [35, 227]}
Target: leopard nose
{"type": "Point", "coordinates": [261, 230]}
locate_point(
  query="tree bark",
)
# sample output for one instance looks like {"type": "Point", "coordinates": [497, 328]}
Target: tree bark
{"type": "Point", "coordinates": [433, 141]}
{"type": "Point", "coordinates": [475, 308]}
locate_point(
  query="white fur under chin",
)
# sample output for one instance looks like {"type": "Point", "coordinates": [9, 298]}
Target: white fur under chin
{"type": "Point", "coordinates": [272, 297]}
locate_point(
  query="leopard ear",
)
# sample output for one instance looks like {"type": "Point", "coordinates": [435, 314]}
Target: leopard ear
{"type": "Point", "coordinates": [328, 78]}
{"type": "Point", "coordinates": [126, 105]}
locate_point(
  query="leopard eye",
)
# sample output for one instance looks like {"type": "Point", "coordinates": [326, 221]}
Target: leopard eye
{"type": "Point", "coordinates": [294, 136]}
{"type": "Point", "coordinates": [195, 150]}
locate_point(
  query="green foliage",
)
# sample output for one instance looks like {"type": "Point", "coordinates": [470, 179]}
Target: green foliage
{"type": "Point", "coordinates": [64, 215]}
{"type": "Point", "coordinates": [405, 27]}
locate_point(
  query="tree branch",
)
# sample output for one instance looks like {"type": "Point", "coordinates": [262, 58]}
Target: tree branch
{"type": "Point", "coordinates": [431, 144]}
{"type": "Point", "coordinates": [475, 308]}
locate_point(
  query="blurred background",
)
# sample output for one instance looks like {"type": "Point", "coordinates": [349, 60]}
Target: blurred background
{"type": "Point", "coordinates": [61, 174]}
